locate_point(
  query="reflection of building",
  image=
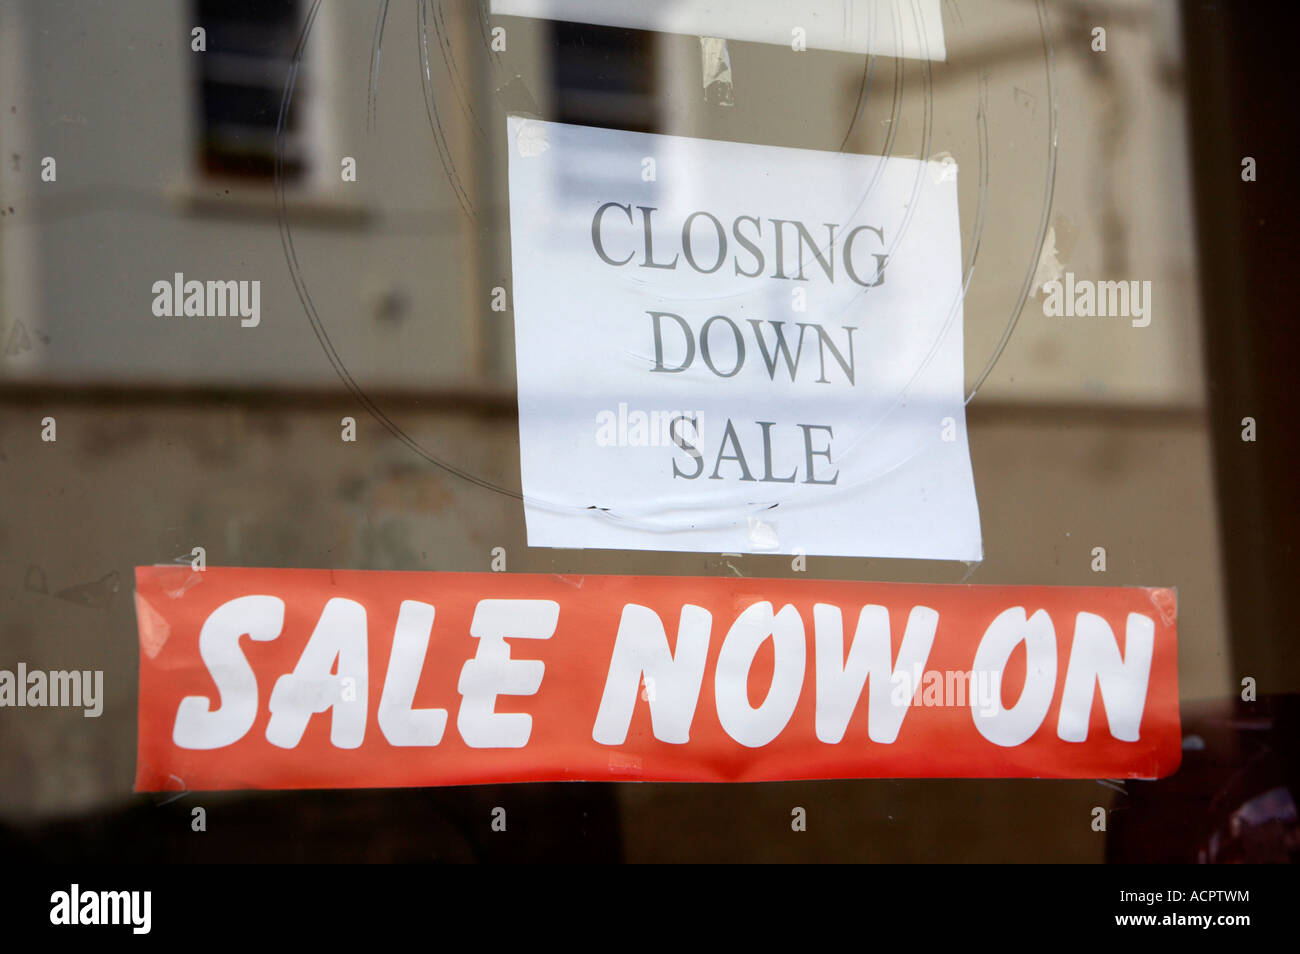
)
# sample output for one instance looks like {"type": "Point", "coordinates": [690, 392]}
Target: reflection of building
{"type": "Point", "coordinates": [178, 435]}
{"type": "Point", "coordinates": [248, 51]}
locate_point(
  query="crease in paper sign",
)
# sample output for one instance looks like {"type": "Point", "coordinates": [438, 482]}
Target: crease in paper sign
{"type": "Point", "coordinates": [908, 29]}
{"type": "Point", "coordinates": [691, 513]}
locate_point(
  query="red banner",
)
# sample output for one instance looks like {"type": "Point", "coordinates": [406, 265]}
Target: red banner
{"type": "Point", "coordinates": [268, 678]}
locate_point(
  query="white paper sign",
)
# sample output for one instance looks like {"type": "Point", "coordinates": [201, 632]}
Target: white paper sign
{"type": "Point", "coordinates": [736, 348]}
{"type": "Point", "coordinates": [911, 29]}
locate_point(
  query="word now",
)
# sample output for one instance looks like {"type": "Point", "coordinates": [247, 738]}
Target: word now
{"type": "Point", "coordinates": [761, 679]}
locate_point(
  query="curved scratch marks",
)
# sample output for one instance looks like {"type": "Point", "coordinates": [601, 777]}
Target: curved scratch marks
{"type": "Point", "coordinates": [300, 283]}
{"type": "Point", "coordinates": [372, 102]}
{"type": "Point", "coordinates": [435, 124]}
{"type": "Point", "coordinates": [1048, 197]}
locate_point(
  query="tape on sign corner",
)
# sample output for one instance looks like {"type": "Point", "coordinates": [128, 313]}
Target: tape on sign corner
{"type": "Point", "coordinates": [283, 678]}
